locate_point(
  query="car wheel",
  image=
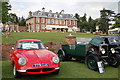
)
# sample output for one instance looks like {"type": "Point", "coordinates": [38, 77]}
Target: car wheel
{"type": "Point", "coordinates": [114, 60]}
{"type": "Point", "coordinates": [60, 55]}
{"type": "Point", "coordinates": [91, 61]}
{"type": "Point", "coordinates": [15, 72]}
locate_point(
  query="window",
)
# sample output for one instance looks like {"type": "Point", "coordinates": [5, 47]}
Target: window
{"type": "Point", "coordinates": [69, 22]}
{"type": "Point", "coordinates": [72, 22]}
{"type": "Point", "coordinates": [43, 26]}
{"type": "Point", "coordinates": [37, 20]}
{"type": "Point", "coordinates": [63, 22]}
{"type": "Point", "coordinates": [52, 21]}
{"type": "Point", "coordinates": [43, 20]}
{"type": "Point", "coordinates": [56, 21]}
{"type": "Point", "coordinates": [60, 16]}
{"type": "Point", "coordinates": [30, 45]}
{"type": "Point", "coordinates": [39, 13]}
{"type": "Point", "coordinates": [49, 15]}
{"type": "Point", "coordinates": [48, 21]}
{"type": "Point", "coordinates": [55, 15]}
{"type": "Point", "coordinates": [37, 27]}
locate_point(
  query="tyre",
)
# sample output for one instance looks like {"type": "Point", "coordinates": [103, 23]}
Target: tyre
{"type": "Point", "coordinates": [91, 61]}
{"type": "Point", "coordinates": [15, 72]}
{"type": "Point", "coordinates": [114, 60]}
{"type": "Point", "coordinates": [61, 55]}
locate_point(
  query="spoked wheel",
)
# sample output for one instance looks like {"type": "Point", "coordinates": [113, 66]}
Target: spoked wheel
{"type": "Point", "coordinates": [91, 61]}
{"type": "Point", "coordinates": [60, 55]}
{"type": "Point", "coordinates": [115, 60]}
{"type": "Point", "coordinates": [15, 72]}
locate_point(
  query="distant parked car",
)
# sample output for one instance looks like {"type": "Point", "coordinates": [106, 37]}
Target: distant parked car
{"type": "Point", "coordinates": [101, 48]}
{"type": "Point", "coordinates": [31, 57]}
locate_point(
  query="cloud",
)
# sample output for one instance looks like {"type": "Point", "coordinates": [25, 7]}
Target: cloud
{"type": "Point", "coordinates": [22, 7]}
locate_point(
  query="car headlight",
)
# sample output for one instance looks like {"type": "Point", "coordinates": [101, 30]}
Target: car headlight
{"type": "Point", "coordinates": [103, 50]}
{"type": "Point", "coordinates": [112, 50]}
{"type": "Point", "coordinates": [22, 61]}
{"type": "Point", "coordinates": [55, 60]}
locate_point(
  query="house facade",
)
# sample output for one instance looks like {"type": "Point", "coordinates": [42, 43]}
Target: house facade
{"type": "Point", "coordinates": [49, 21]}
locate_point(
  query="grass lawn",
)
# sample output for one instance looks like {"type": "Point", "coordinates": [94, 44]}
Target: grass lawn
{"type": "Point", "coordinates": [69, 69]}
{"type": "Point", "coordinates": [43, 36]}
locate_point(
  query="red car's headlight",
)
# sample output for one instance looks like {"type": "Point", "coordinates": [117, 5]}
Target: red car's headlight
{"type": "Point", "coordinates": [22, 61]}
{"type": "Point", "coordinates": [55, 60]}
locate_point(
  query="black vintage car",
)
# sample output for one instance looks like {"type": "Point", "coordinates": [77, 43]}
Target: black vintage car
{"type": "Point", "coordinates": [101, 48]}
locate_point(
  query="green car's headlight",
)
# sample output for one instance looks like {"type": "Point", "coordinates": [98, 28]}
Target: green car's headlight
{"type": "Point", "coordinates": [22, 61]}
{"type": "Point", "coordinates": [102, 50]}
{"type": "Point", "coordinates": [55, 60]}
{"type": "Point", "coordinates": [112, 50]}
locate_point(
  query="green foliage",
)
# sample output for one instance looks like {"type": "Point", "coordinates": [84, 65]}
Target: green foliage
{"type": "Point", "coordinates": [22, 21]}
{"type": "Point", "coordinates": [13, 18]}
{"type": "Point", "coordinates": [117, 21]}
{"type": "Point", "coordinates": [85, 25]}
{"type": "Point", "coordinates": [106, 17]}
{"type": "Point", "coordinates": [5, 8]}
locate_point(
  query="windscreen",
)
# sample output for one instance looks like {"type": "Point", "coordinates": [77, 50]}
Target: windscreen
{"type": "Point", "coordinates": [114, 40]}
{"type": "Point", "coordinates": [30, 45]}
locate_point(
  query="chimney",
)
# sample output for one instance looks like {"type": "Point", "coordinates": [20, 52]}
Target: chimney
{"type": "Point", "coordinates": [43, 9]}
{"type": "Point", "coordinates": [62, 11]}
{"type": "Point", "coordinates": [30, 13]}
{"type": "Point", "coordinates": [50, 11]}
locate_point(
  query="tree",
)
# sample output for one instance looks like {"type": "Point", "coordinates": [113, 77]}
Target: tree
{"type": "Point", "coordinates": [22, 21]}
{"type": "Point", "coordinates": [5, 8]}
{"type": "Point", "coordinates": [83, 23]}
{"type": "Point", "coordinates": [117, 21]}
{"type": "Point", "coordinates": [13, 18]}
{"type": "Point", "coordinates": [106, 17]}
{"type": "Point", "coordinates": [77, 16]}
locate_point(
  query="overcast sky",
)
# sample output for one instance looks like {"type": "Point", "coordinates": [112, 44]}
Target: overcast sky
{"type": "Point", "coordinates": [90, 7]}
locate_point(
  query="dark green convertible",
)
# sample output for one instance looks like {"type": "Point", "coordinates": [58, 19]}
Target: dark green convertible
{"type": "Point", "coordinates": [91, 51]}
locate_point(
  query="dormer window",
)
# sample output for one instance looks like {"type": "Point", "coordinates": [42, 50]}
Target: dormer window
{"type": "Point", "coordinates": [40, 13]}
{"type": "Point", "coordinates": [55, 15]}
{"type": "Point", "coordinates": [60, 16]}
{"type": "Point", "coordinates": [49, 15]}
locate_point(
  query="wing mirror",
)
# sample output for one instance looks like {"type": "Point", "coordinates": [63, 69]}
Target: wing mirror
{"type": "Point", "coordinates": [13, 48]}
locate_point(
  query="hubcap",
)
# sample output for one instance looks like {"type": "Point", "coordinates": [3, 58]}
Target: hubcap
{"type": "Point", "coordinates": [91, 63]}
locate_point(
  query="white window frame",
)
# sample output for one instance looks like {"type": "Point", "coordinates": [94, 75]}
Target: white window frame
{"type": "Point", "coordinates": [42, 26]}
{"type": "Point", "coordinates": [42, 20]}
{"type": "Point", "coordinates": [37, 27]}
{"type": "Point", "coordinates": [52, 21]}
{"type": "Point", "coordinates": [56, 21]}
{"type": "Point", "coordinates": [55, 15]}
{"type": "Point", "coordinates": [37, 20]}
{"type": "Point", "coordinates": [48, 21]}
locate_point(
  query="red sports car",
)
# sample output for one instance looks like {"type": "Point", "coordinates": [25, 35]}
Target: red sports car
{"type": "Point", "coordinates": [31, 57]}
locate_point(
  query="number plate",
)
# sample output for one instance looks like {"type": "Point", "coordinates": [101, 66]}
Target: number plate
{"type": "Point", "coordinates": [41, 64]}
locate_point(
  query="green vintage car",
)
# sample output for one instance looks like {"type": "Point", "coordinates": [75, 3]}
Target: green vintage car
{"type": "Point", "coordinates": [91, 51]}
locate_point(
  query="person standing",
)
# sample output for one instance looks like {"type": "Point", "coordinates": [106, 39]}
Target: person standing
{"type": "Point", "coordinates": [1, 27]}
{"type": "Point", "coordinates": [7, 28]}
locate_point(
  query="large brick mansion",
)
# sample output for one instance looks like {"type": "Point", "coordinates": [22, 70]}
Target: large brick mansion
{"type": "Point", "coordinates": [42, 21]}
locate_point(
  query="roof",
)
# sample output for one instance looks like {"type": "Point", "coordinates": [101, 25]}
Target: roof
{"type": "Point", "coordinates": [51, 15]}
{"type": "Point", "coordinates": [22, 40]}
